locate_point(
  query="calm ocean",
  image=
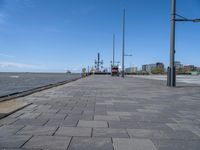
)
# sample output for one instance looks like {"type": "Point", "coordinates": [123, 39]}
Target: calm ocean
{"type": "Point", "coordinates": [18, 82]}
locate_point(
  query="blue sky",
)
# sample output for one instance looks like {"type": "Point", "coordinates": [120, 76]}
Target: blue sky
{"type": "Point", "coordinates": [55, 35]}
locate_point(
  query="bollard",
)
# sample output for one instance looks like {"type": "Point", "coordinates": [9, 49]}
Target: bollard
{"type": "Point", "coordinates": [174, 84]}
{"type": "Point", "coordinates": [168, 76]}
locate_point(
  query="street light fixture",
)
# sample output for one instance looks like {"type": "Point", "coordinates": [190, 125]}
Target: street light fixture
{"type": "Point", "coordinates": [123, 34]}
{"type": "Point", "coordinates": [171, 72]}
{"type": "Point", "coordinates": [128, 55]}
{"type": "Point", "coordinates": [196, 20]}
{"type": "Point", "coordinates": [181, 18]}
{"type": "Point", "coordinates": [113, 62]}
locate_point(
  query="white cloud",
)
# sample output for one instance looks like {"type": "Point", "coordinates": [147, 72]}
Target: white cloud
{"type": "Point", "coordinates": [5, 55]}
{"type": "Point", "coordinates": [73, 69]}
{"type": "Point", "coordinates": [18, 65]}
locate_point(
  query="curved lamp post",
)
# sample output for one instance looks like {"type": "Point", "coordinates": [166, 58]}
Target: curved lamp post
{"type": "Point", "coordinates": [171, 75]}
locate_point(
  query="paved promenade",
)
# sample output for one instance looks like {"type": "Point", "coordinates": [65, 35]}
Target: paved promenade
{"type": "Point", "coordinates": [106, 113]}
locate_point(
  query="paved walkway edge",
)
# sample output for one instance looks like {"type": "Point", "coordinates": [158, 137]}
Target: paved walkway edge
{"type": "Point", "coordinates": [13, 111]}
{"type": "Point", "coordinates": [34, 90]}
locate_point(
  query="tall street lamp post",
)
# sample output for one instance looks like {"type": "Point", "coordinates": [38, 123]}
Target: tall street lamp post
{"type": "Point", "coordinates": [171, 75]}
{"type": "Point", "coordinates": [113, 62]}
{"type": "Point", "coordinates": [123, 34]}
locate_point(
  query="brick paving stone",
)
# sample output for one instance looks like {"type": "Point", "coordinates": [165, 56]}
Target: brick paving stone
{"type": "Point", "coordinates": [13, 141]}
{"type": "Point", "coordinates": [161, 134]}
{"type": "Point", "coordinates": [35, 122]}
{"type": "Point", "coordinates": [106, 117]}
{"type": "Point", "coordinates": [63, 123]}
{"type": "Point", "coordinates": [73, 131]}
{"type": "Point", "coordinates": [168, 144]}
{"type": "Point", "coordinates": [116, 113]}
{"type": "Point", "coordinates": [79, 143]}
{"type": "Point", "coordinates": [29, 115]}
{"type": "Point", "coordinates": [7, 121]}
{"type": "Point", "coordinates": [109, 132]}
{"type": "Point", "coordinates": [48, 142]}
{"type": "Point", "coordinates": [133, 144]}
{"type": "Point", "coordinates": [83, 123]}
{"type": "Point", "coordinates": [80, 117]}
{"type": "Point", "coordinates": [52, 116]}
{"type": "Point", "coordinates": [153, 125]}
{"type": "Point", "coordinates": [16, 114]}
{"type": "Point", "coordinates": [10, 129]}
{"type": "Point", "coordinates": [123, 124]}
{"type": "Point", "coordinates": [42, 110]}
{"type": "Point", "coordinates": [37, 130]}
{"type": "Point", "coordinates": [21, 149]}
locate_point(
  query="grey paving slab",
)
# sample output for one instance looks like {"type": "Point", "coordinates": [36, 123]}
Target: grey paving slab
{"type": "Point", "coordinates": [10, 130]}
{"type": "Point", "coordinates": [33, 122]}
{"type": "Point", "coordinates": [106, 117]}
{"type": "Point", "coordinates": [78, 143]}
{"type": "Point", "coordinates": [153, 125]}
{"type": "Point", "coordinates": [48, 142]}
{"type": "Point", "coordinates": [29, 115]}
{"type": "Point", "coordinates": [37, 130]}
{"type": "Point", "coordinates": [83, 123]}
{"type": "Point", "coordinates": [52, 116]}
{"type": "Point", "coordinates": [133, 144]}
{"type": "Point", "coordinates": [13, 141]}
{"type": "Point", "coordinates": [45, 110]}
{"type": "Point", "coordinates": [177, 144]}
{"type": "Point", "coordinates": [109, 132]}
{"type": "Point", "coordinates": [123, 124]}
{"type": "Point", "coordinates": [7, 121]}
{"type": "Point", "coordinates": [118, 113]}
{"type": "Point", "coordinates": [20, 149]}
{"type": "Point", "coordinates": [62, 123]}
{"type": "Point", "coordinates": [80, 117]}
{"type": "Point", "coordinates": [74, 131]}
{"type": "Point", "coordinates": [161, 134]}
{"type": "Point", "coordinates": [16, 114]}
{"type": "Point", "coordinates": [147, 117]}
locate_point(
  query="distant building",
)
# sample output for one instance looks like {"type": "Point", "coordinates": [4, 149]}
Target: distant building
{"type": "Point", "coordinates": [178, 64]}
{"type": "Point", "coordinates": [186, 69]}
{"type": "Point", "coordinates": [148, 67]}
{"type": "Point", "coordinates": [131, 70]}
{"type": "Point", "coordinates": [189, 68]}
{"type": "Point", "coordinates": [153, 68]}
{"type": "Point", "coordinates": [160, 65]}
{"type": "Point", "coordinates": [179, 67]}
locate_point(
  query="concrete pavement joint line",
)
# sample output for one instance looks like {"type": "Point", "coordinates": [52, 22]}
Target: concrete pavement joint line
{"type": "Point", "coordinates": [107, 124]}
{"type": "Point", "coordinates": [26, 141]}
{"type": "Point", "coordinates": [92, 132]}
{"type": "Point", "coordinates": [20, 114]}
{"type": "Point", "coordinates": [55, 131]}
{"type": "Point", "coordinates": [77, 123]}
{"type": "Point", "coordinates": [69, 143]}
{"type": "Point", "coordinates": [38, 116]}
{"type": "Point", "coordinates": [20, 129]}
{"type": "Point", "coordinates": [46, 122]}
{"type": "Point", "coordinates": [127, 133]}
{"type": "Point", "coordinates": [8, 114]}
